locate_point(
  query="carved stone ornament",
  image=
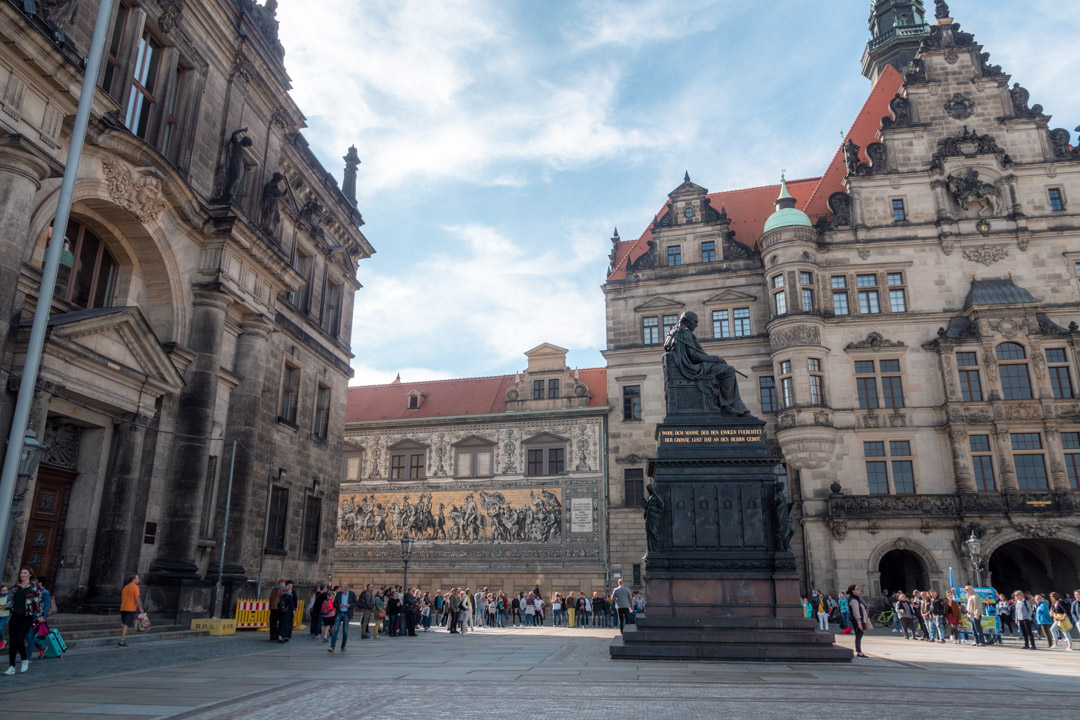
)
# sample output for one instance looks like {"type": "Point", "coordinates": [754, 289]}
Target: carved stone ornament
{"type": "Point", "coordinates": [874, 341]}
{"type": "Point", "coordinates": [864, 253]}
{"type": "Point", "coordinates": [1039, 528]}
{"type": "Point", "coordinates": [986, 254]}
{"type": "Point", "coordinates": [171, 15]}
{"type": "Point", "coordinates": [1020, 99]}
{"type": "Point", "coordinates": [952, 56]}
{"type": "Point", "coordinates": [947, 36]}
{"type": "Point", "coordinates": [646, 261]}
{"type": "Point", "coordinates": [838, 528]}
{"type": "Point", "coordinates": [901, 113]}
{"type": "Point", "coordinates": [986, 68]}
{"type": "Point", "coordinates": [1059, 142]}
{"type": "Point", "coordinates": [971, 193]}
{"type": "Point", "coordinates": [800, 335]}
{"type": "Point", "coordinates": [265, 19]}
{"type": "Point", "coordinates": [631, 459]}
{"type": "Point", "coordinates": [960, 106]}
{"type": "Point", "coordinates": [840, 206]}
{"type": "Point", "coordinates": [139, 192]}
{"type": "Point", "coordinates": [970, 145]}
{"type": "Point", "coordinates": [58, 12]}
{"type": "Point", "coordinates": [917, 73]}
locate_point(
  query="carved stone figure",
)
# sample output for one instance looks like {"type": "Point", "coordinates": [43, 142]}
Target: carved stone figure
{"type": "Point", "coordinates": [851, 156]}
{"type": "Point", "coordinates": [967, 189]}
{"type": "Point", "coordinates": [1020, 99]}
{"type": "Point", "coordinates": [941, 9]}
{"type": "Point", "coordinates": [269, 214]}
{"type": "Point", "coordinates": [901, 110]}
{"type": "Point", "coordinates": [784, 528]}
{"type": "Point", "coordinates": [685, 360]}
{"type": "Point", "coordinates": [654, 518]}
{"type": "Point", "coordinates": [235, 169]}
{"type": "Point", "coordinates": [348, 185]}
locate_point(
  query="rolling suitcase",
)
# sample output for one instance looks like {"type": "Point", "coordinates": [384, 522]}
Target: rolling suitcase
{"type": "Point", "coordinates": [54, 644]}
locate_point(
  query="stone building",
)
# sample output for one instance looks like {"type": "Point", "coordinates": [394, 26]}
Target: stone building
{"type": "Point", "coordinates": [500, 480]}
{"type": "Point", "coordinates": [205, 296]}
{"type": "Point", "coordinates": [907, 322]}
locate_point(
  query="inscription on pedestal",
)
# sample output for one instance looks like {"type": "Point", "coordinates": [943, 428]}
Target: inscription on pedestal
{"type": "Point", "coordinates": [706, 436]}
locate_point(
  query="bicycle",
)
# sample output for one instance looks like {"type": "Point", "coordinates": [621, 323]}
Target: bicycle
{"type": "Point", "coordinates": [884, 618]}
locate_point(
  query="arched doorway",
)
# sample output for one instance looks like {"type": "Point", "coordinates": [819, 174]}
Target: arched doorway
{"type": "Point", "coordinates": [903, 570]}
{"type": "Point", "coordinates": [1039, 565]}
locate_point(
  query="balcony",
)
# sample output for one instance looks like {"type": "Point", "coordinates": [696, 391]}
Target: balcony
{"type": "Point", "coordinates": [958, 505]}
{"type": "Point", "coordinates": [902, 31]}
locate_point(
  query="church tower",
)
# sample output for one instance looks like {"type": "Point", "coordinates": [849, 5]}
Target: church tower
{"type": "Point", "coordinates": [897, 28]}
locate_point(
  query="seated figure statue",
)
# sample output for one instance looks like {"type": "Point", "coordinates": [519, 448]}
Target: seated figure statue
{"type": "Point", "coordinates": [713, 377]}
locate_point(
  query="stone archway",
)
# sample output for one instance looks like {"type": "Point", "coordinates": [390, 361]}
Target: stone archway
{"type": "Point", "coordinates": [1038, 565]}
{"type": "Point", "coordinates": [905, 560]}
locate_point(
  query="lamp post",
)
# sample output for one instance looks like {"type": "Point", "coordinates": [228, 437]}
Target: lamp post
{"type": "Point", "coordinates": [406, 552]}
{"type": "Point", "coordinates": [974, 546]}
{"type": "Point", "coordinates": [29, 458]}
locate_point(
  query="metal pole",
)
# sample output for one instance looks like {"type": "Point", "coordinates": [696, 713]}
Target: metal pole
{"type": "Point", "coordinates": [405, 585]}
{"type": "Point", "coordinates": [266, 522]}
{"type": "Point", "coordinates": [48, 275]}
{"type": "Point", "coordinates": [224, 535]}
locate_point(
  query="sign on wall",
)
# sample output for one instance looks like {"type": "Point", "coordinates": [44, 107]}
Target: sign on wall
{"type": "Point", "coordinates": [581, 515]}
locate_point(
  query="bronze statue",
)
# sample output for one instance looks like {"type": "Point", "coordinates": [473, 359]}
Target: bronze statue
{"type": "Point", "coordinates": [654, 517]}
{"type": "Point", "coordinates": [714, 377]}
{"type": "Point", "coordinates": [235, 170]}
{"type": "Point", "coordinates": [784, 529]}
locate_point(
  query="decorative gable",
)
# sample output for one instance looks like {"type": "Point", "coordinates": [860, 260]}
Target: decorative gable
{"type": "Point", "coordinates": [660, 303]}
{"type": "Point", "coordinates": [730, 296]}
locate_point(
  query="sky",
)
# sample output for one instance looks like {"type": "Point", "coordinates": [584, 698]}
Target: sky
{"type": "Point", "coordinates": [502, 142]}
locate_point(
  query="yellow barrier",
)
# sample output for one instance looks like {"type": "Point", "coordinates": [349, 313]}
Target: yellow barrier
{"type": "Point", "coordinates": [255, 615]}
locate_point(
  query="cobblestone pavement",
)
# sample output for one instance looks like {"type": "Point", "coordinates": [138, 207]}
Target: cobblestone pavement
{"type": "Point", "coordinates": [544, 672]}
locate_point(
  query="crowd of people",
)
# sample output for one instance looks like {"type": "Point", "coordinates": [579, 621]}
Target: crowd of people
{"type": "Point", "coordinates": [400, 613]}
{"type": "Point", "coordinates": [925, 615]}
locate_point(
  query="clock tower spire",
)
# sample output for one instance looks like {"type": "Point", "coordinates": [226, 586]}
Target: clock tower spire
{"type": "Point", "coordinates": [897, 28]}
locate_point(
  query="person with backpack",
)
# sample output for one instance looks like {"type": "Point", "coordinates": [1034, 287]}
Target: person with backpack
{"type": "Point", "coordinates": [1025, 614]}
{"type": "Point", "coordinates": [343, 603]}
{"type": "Point", "coordinates": [327, 613]}
{"type": "Point", "coordinates": [286, 610]}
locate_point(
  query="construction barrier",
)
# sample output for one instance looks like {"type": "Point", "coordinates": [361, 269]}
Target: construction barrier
{"type": "Point", "coordinates": [255, 615]}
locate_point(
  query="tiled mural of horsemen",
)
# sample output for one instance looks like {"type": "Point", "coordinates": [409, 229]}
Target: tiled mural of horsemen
{"type": "Point", "coordinates": [508, 516]}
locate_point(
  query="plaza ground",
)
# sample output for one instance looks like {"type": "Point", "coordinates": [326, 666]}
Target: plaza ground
{"type": "Point", "coordinates": [538, 672]}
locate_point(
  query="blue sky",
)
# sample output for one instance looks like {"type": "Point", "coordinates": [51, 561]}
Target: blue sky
{"type": "Point", "coordinates": [502, 141]}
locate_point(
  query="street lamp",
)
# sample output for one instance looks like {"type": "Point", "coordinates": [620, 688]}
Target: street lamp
{"type": "Point", "coordinates": [29, 459]}
{"type": "Point", "coordinates": [406, 552]}
{"type": "Point", "coordinates": [974, 545]}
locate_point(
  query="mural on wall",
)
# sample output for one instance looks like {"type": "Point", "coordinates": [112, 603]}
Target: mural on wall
{"type": "Point", "coordinates": [504, 516]}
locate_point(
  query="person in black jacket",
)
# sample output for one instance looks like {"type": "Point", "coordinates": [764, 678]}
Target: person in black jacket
{"type": "Point", "coordinates": [393, 611]}
{"type": "Point", "coordinates": [344, 602]}
{"type": "Point", "coordinates": [316, 609]}
{"type": "Point", "coordinates": [286, 608]}
{"type": "Point", "coordinates": [409, 608]}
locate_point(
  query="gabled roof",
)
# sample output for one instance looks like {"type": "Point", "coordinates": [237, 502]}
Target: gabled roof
{"type": "Point", "coordinates": [451, 398]}
{"type": "Point", "coordinates": [750, 208]}
{"type": "Point", "coordinates": [997, 291]}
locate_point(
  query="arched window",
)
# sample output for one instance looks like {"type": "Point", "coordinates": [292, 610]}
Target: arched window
{"type": "Point", "coordinates": [87, 275]}
{"type": "Point", "coordinates": [1015, 381]}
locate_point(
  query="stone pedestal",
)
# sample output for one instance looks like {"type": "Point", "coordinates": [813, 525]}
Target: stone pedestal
{"type": "Point", "coordinates": [721, 583]}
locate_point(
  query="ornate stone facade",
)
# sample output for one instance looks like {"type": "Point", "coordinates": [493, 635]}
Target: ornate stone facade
{"type": "Point", "coordinates": [908, 387]}
{"type": "Point", "coordinates": [183, 319]}
{"type": "Point", "coordinates": [499, 480]}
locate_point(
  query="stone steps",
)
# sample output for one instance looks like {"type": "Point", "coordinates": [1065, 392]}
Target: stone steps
{"type": "Point", "coordinates": [85, 631]}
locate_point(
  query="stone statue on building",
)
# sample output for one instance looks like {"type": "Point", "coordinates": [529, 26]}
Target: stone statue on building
{"type": "Point", "coordinates": [686, 361]}
{"type": "Point", "coordinates": [269, 214]}
{"type": "Point", "coordinates": [654, 518]}
{"type": "Point", "coordinates": [784, 528]}
{"type": "Point", "coordinates": [235, 169]}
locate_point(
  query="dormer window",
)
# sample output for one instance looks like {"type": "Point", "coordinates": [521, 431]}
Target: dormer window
{"type": "Point", "coordinates": [416, 398]}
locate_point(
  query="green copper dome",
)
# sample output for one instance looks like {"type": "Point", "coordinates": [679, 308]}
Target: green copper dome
{"type": "Point", "coordinates": [786, 214]}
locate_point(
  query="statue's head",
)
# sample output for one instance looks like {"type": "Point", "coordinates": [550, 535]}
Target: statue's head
{"type": "Point", "coordinates": [689, 319]}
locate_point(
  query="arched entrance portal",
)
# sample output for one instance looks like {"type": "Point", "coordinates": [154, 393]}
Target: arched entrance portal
{"type": "Point", "coordinates": [1036, 565]}
{"type": "Point", "coordinates": [903, 570]}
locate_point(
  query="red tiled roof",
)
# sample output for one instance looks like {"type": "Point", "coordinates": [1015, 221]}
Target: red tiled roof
{"type": "Point", "coordinates": [750, 208]}
{"type": "Point", "coordinates": [450, 398]}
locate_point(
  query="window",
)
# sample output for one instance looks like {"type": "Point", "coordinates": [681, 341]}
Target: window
{"type": "Point", "coordinates": [817, 382]}
{"type": "Point", "coordinates": [897, 293]}
{"type": "Point", "coordinates": [1060, 380]}
{"type": "Point", "coordinates": [290, 393]}
{"type": "Point", "coordinates": [982, 462]}
{"type": "Point", "coordinates": [840, 296]}
{"type": "Point", "coordinates": [892, 389]}
{"type": "Point", "coordinates": [414, 402]}
{"type": "Point", "coordinates": [473, 458]}
{"type": "Point", "coordinates": [553, 388]}
{"type": "Point", "coordinates": [538, 390]}
{"type": "Point", "coordinates": [143, 86]}
{"type": "Point", "coordinates": [899, 214]}
{"type": "Point", "coordinates": [708, 251]}
{"type": "Point", "coordinates": [1015, 382]}
{"type": "Point", "coordinates": [767, 390]}
{"type": "Point", "coordinates": [87, 273]}
{"type": "Point", "coordinates": [275, 524]}
{"type": "Point", "coordinates": [633, 487]}
{"type": "Point", "coordinates": [303, 264]}
{"type": "Point", "coordinates": [869, 300]}
{"type": "Point", "coordinates": [408, 461]}
{"type": "Point", "coordinates": [807, 299]}
{"type": "Point", "coordinates": [721, 326]}
{"type": "Point", "coordinates": [866, 384]}
{"type": "Point", "coordinates": [670, 321]}
{"type": "Point", "coordinates": [353, 463]}
{"type": "Point", "coordinates": [545, 455]}
{"type": "Point", "coordinates": [674, 255]}
{"type": "Point", "coordinates": [321, 427]}
{"type": "Point", "coordinates": [331, 314]}
{"type": "Point", "coordinates": [806, 291]}
{"type": "Point", "coordinates": [779, 297]}
{"type": "Point", "coordinates": [650, 331]}
{"type": "Point", "coordinates": [631, 402]}
{"type": "Point", "coordinates": [636, 574]}
{"type": "Point", "coordinates": [787, 384]}
{"type": "Point", "coordinates": [535, 462]}
{"type": "Point", "coordinates": [168, 133]}
{"type": "Point", "coordinates": [309, 542]}
{"type": "Point", "coordinates": [877, 470]}
{"type": "Point", "coordinates": [1057, 200]}
{"type": "Point", "coordinates": [116, 44]}
{"type": "Point", "coordinates": [1070, 441]}
{"type": "Point", "coordinates": [742, 322]}
{"type": "Point", "coordinates": [1029, 461]}
{"type": "Point", "coordinates": [970, 384]}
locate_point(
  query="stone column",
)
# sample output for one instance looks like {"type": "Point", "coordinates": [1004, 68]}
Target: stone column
{"type": "Point", "coordinates": [1059, 478]}
{"type": "Point", "coordinates": [245, 412]}
{"type": "Point", "coordinates": [194, 423]}
{"type": "Point", "coordinates": [115, 523]}
{"type": "Point", "coordinates": [1006, 469]}
{"type": "Point", "coordinates": [965, 478]}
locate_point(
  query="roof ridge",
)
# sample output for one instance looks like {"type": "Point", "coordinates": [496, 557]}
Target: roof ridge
{"type": "Point", "coordinates": [404, 384]}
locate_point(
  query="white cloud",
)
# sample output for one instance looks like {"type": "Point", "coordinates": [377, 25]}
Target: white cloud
{"type": "Point", "coordinates": [618, 22]}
